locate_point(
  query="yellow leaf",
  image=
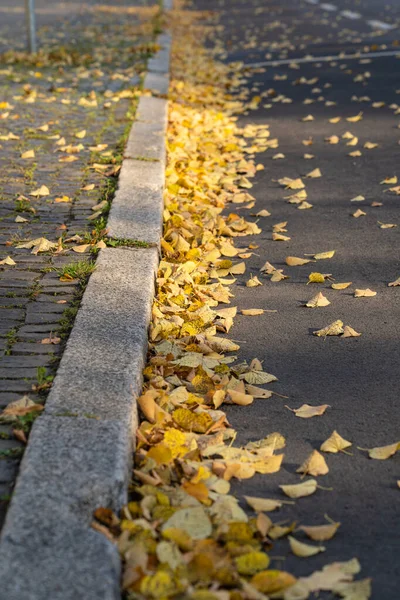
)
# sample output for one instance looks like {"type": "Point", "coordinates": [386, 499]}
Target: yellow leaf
{"type": "Point", "coordinates": [38, 245]}
{"type": "Point", "coordinates": [194, 521]}
{"type": "Point", "coordinates": [299, 490]}
{"type": "Point", "coordinates": [314, 465]}
{"type": "Point", "coordinates": [386, 225]}
{"type": "Point", "coordinates": [370, 145]}
{"type": "Point", "coordinates": [317, 301]}
{"type": "Point", "coordinates": [62, 199]}
{"type": "Point", "coordinates": [355, 119]}
{"type": "Point", "coordinates": [335, 328]}
{"type": "Point", "coordinates": [307, 118]}
{"type": "Point", "coordinates": [263, 504]}
{"type": "Point", "coordinates": [263, 213]}
{"type": "Point", "coordinates": [320, 533]}
{"type": "Point", "coordinates": [304, 205]}
{"type": "Point", "coordinates": [161, 454]}
{"type": "Point", "coordinates": [308, 156]}
{"type": "Point", "coordinates": [384, 452]}
{"type": "Point", "coordinates": [238, 269]}
{"type": "Point", "coordinates": [364, 293]}
{"type": "Point", "coordinates": [304, 550]}
{"type": "Point", "coordinates": [357, 199]}
{"type": "Point", "coordinates": [333, 139]}
{"type": "Point", "coordinates": [359, 213]}
{"type": "Point", "coordinates": [394, 283]}
{"type": "Point", "coordinates": [157, 586]}
{"type": "Point", "coordinates": [335, 443]}
{"type": "Point", "coordinates": [251, 562]}
{"type": "Point", "coordinates": [341, 286]}
{"type": "Point", "coordinates": [80, 134]}
{"type": "Point", "coordinates": [81, 248]}
{"type": "Point", "coordinates": [252, 312]}
{"type": "Point", "coordinates": [240, 398]}
{"type": "Point", "coordinates": [306, 411]}
{"type": "Point", "coordinates": [389, 180]}
{"type": "Point", "coordinates": [355, 153]}
{"type": "Point", "coordinates": [253, 282]}
{"type": "Point", "coordinates": [191, 421]}
{"type": "Point", "coordinates": [19, 219]}
{"type": "Point", "coordinates": [350, 332]}
{"type": "Point", "coordinates": [42, 191]}
{"type": "Point", "coordinates": [272, 581]}
{"type": "Point", "coordinates": [293, 261]}
{"type": "Point", "coordinates": [316, 278]}
{"type": "Point", "coordinates": [335, 120]}
{"type": "Point", "coordinates": [314, 174]}
{"type": "Point", "coordinates": [278, 237]}
{"type": "Point", "coordinates": [28, 154]}
{"type": "Point", "coordinates": [8, 261]}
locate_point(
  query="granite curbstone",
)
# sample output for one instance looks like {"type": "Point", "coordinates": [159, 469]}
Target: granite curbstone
{"type": "Point", "coordinates": [147, 137]}
{"type": "Point", "coordinates": [48, 549]}
{"type": "Point", "coordinates": [137, 210]}
{"type": "Point", "coordinates": [105, 355]}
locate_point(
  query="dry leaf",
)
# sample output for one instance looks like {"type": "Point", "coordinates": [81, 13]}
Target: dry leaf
{"type": "Point", "coordinates": [252, 312]}
{"type": "Point", "coordinates": [335, 443]}
{"type": "Point", "coordinates": [357, 199]}
{"type": "Point", "coordinates": [253, 281]}
{"type": "Point", "coordinates": [384, 452]}
{"type": "Point", "coordinates": [359, 213]}
{"type": "Point", "coordinates": [293, 261]}
{"type": "Point", "coordinates": [8, 261]}
{"type": "Point", "coordinates": [394, 283]}
{"type": "Point", "coordinates": [28, 154]}
{"type": "Point", "coordinates": [263, 504]}
{"type": "Point", "coordinates": [299, 490]}
{"type": "Point", "coordinates": [386, 225]}
{"type": "Point", "coordinates": [304, 550]}
{"type": "Point", "coordinates": [317, 301]}
{"type": "Point", "coordinates": [314, 174]}
{"type": "Point", "coordinates": [355, 119]}
{"type": "Point", "coordinates": [42, 191]}
{"type": "Point", "coordinates": [316, 278]}
{"type": "Point", "coordinates": [320, 533]}
{"type": "Point", "coordinates": [341, 286]}
{"type": "Point", "coordinates": [306, 411]}
{"type": "Point", "coordinates": [335, 328]}
{"type": "Point", "coordinates": [389, 181]}
{"type": "Point", "coordinates": [367, 293]}
{"type": "Point", "coordinates": [324, 255]}
{"type": "Point", "coordinates": [314, 465]}
{"type": "Point", "coordinates": [38, 245]}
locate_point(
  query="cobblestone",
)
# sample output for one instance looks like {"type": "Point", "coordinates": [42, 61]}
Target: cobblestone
{"type": "Point", "coordinates": [72, 106]}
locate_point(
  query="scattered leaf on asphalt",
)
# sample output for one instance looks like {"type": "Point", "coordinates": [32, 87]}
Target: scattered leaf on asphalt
{"type": "Point", "coordinates": [304, 550]}
{"type": "Point", "coordinates": [335, 328]}
{"type": "Point", "coordinates": [306, 411]}
{"type": "Point", "coordinates": [317, 301]}
{"type": "Point", "coordinates": [335, 443]}
{"type": "Point", "coordinates": [367, 293]}
{"type": "Point", "coordinates": [299, 490]}
{"type": "Point", "coordinates": [314, 465]}
{"type": "Point", "coordinates": [320, 533]}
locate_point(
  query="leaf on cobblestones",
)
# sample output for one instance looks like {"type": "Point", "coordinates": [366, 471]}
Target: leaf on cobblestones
{"type": "Point", "coordinates": [20, 408]}
{"type": "Point", "coordinates": [38, 245]}
{"type": "Point", "coordinates": [42, 191]}
{"type": "Point", "coordinates": [8, 261]}
{"type": "Point", "coordinates": [28, 154]}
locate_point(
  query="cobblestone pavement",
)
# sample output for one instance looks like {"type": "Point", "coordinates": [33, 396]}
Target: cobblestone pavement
{"type": "Point", "coordinates": [63, 118]}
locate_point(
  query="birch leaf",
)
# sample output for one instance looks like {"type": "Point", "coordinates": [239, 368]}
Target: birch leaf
{"type": "Point", "coordinates": [299, 490]}
{"type": "Point", "coordinates": [384, 452]}
{"type": "Point", "coordinates": [314, 174]}
{"type": "Point", "coordinates": [293, 261]}
{"type": "Point", "coordinates": [320, 533]}
{"type": "Point", "coordinates": [357, 199]}
{"type": "Point", "coordinates": [335, 328]}
{"type": "Point", "coordinates": [314, 465]}
{"type": "Point", "coordinates": [350, 332]}
{"type": "Point", "coordinates": [304, 550]}
{"type": "Point", "coordinates": [306, 411]}
{"type": "Point", "coordinates": [317, 301]}
{"type": "Point", "coordinates": [394, 283]}
{"type": "Point", "coordinates": [389, 180]}
{"type": "Point", "coordinates": [367, 293]}
{"type": "Point", "coordinates": [324, 255]}
{"type": "Point", "coordinates": [263, 504]}
{"type": "Point", "coordinates": [8, 261]}
{"type": "Point", "coordinates": [335, 443]}
{"type": "Point", "coordinates": [316, 278]}
{"type": "Point", "coordinates": [341, 286]}
{"type": "Point", "coordinates": [42, 191]}
{"type": "Point", "coordinates": [252, 312]}
{"type": "Point", "coordinates": [359, 213]}
{"type": "Point", "coordinates": [278, 237]}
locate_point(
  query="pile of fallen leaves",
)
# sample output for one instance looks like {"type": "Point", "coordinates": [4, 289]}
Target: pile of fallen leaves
{"type": "Point", "coordinates": [183, 535]}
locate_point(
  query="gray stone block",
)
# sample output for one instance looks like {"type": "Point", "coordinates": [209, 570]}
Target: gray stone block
{"type": "Point", "coordinates": [101, 369]}
{"type": "Point", "coordinates": [147, 136]}
{"type": "Point", "coordinates": [137, 209]}
{"type": "Point", "coordinates": [48, 549]}
{"type": "Point", "coordinates": [158, 83]}
{"type": "Point", "coordinates": [159, 63]}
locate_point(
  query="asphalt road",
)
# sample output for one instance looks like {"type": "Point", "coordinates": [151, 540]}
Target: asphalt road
{"type": "Point", "coordinates": [358, 377]}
